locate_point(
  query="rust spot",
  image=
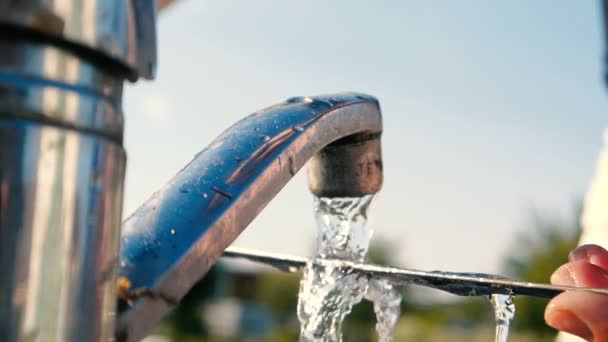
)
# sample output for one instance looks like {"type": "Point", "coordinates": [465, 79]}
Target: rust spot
{"type": "Point", "coordinates": [128, 295]}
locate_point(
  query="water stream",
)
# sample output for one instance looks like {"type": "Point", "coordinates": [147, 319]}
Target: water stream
{"type": "Point", "coordinates": [329, 290]}
{"type": "Point", "coordinates": [504, 312]}
{"type": "Point", "coordinates": [387, 306]}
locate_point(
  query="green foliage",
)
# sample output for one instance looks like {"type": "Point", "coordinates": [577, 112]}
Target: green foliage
{"type": "Point", "coordinates": [465, 313]}
{"type": "Point", "coordinates": [279, 293]}
{"type": "Point", "coordinates": [185, 323]}
{"type": "Point", "coordinates": [381, 252]}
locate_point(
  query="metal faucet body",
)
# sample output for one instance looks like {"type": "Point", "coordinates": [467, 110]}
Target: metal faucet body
{"type": "Point", "coordinates": [62, 164]}
{"type": "Point", "coordinates": [171, 241]}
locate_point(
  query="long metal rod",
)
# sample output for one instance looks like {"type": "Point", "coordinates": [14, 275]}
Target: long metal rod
{"type": "Point", "coordinates": [461, 284]}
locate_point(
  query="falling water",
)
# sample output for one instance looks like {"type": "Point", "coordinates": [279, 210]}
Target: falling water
{"type": "Point", "coordinates": [328, 289]}
{"type": "Point", "coordinates": [327, 294]}
{"type": "Point", "coordinates": [504, 311]}
{"type": "Point", "coordinates": [387, 306]}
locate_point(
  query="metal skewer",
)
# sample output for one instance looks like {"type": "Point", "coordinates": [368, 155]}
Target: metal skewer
{"type": "Point", "coordinates": [461, 284]}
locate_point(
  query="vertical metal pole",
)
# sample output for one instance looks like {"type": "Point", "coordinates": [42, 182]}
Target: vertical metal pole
{"type": "Point", "coordinates": [62, 163]}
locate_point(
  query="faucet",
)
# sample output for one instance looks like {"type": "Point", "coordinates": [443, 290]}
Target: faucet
{"type": "Point", "coordinates": [68, 271]}
{"type": "Point", "coordinates": [173, 239]}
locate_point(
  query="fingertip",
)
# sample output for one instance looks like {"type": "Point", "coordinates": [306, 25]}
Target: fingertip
{"type": "Point", "coordinates": [579, 313]}
{"type": "Point", "coordinates": [564, 320]}
{"type": "Point", "coordinates": [593, 254]}
{"type": "Point", "coordinates": [580, 273]}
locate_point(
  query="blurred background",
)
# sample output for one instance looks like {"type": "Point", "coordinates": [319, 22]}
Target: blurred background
{"type": "Point", "coordinates": [493, 115]}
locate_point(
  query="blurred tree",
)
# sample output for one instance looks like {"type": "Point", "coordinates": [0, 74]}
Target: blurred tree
{"type": "Point", "coordinates": [185, 323]}
{"type": "Point", "coordinates": [382, 252]}
{"type": "Point", "coordinates": [537, 253]}
{"type": "Point", "coordinates": [279, 293]}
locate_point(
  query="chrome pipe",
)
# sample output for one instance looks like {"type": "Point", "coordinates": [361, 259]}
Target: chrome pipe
{"type": "Point", "coordinates": [116, 34]}
{"type": "Point", "coordinates": [61, 178]}
{"type": "Point", "coordinates": [171, 241]}
{"type": "Point", "coordinates": [62, 68]}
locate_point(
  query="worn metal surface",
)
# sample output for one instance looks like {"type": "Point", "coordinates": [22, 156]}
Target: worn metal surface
{"type": "Point", "coordinates": [173, 239]}
{"type": "Point", "coordinates": [350, 167]}
{"type": "Point", "coordinates": [60, 208]}
{"type": "Point", "coordinates": [62, 165]}
{"type": "Point", "coordinates": [122, 32]}
{"type": "Point", "coordinates": [48, 85]}
{"type": "Point", "coordinates": [458, 283]}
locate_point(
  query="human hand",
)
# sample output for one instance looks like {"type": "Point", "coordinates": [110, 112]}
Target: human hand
{"type": "Point", "coordinates": [579, 313]}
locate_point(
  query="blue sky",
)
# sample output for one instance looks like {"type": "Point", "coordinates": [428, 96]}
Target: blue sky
{"type": "Point", "coordinates": [490, 109]}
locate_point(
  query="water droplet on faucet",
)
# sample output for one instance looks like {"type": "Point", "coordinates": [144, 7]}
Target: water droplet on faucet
{"type": "Point", "coordinates": [299, 99]}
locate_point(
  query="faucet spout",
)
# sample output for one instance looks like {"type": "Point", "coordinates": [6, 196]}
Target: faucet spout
{"type": "Point", "coordinates": [173, 239]}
